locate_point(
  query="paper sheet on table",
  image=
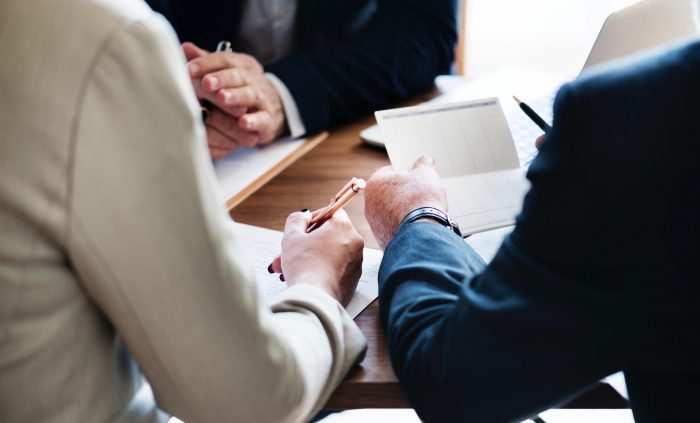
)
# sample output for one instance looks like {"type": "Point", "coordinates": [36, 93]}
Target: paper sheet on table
{"type": "Point", "coordinates": [536, 88]}
{"type": "Point", "coordinates": [260, 245]}
{"type": "Point", "coordinates": [474, 154]}
{"type": "Point", "coordinates": [238, 170]}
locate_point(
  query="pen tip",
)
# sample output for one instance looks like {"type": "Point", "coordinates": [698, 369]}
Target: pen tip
{"type": "Point", "coordinates": [517, 100]}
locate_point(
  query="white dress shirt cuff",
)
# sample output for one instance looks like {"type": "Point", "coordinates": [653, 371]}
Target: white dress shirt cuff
{"type": "Point", "coordinates": [291, 111]}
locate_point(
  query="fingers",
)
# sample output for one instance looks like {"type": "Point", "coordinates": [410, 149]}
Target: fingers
{"type": "Point", "coordinates": [223, 60]}
{"type": "Point", "coordinates": [192, 52]}
{"type": "Point", "coordinates": [317, 212]}
{"type": "Point", "coordinates": [247, 96]}
{"type": "Point", "coordinates": [219, 153]}
{"type": "Point", "coordinates": [297, 223]}
{"type": "Point", "coordinates": [540, 140]}
{"type": "Point", "coordinates": [424, 168]}
{"type": "Point", "coordinates": [228, 126]}
{"type": "Point", "coordinates": [226, 78]}
{"type": "Point", "coordinates": [341, 216]}
{"type": "Point", "coordinates": [340, 219]}
{"type": "Point", "coordinates": [218, 140]}
{"type": "Point", "coordinates": [258, 121]}
{"type": "Point", "coordinates": [237, 111]}
{"type": "Point", "coordinates": [276, 265]}
{"type": "Point", "coordinates": [268, 123]}
{"type": "Point", "coordinates": [424, 161]}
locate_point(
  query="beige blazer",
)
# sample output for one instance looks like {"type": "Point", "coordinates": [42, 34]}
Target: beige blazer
{"type": "Point", "coordinates": [115, 256]}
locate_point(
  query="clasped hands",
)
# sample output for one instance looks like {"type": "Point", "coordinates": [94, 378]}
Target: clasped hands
{"type": "Point", "coordinates": [247, 109]}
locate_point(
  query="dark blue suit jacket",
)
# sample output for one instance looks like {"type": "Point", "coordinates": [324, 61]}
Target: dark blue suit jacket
{"type": "Point", "coordinates": [356, 56]}
{"type": "Point", "coordinates": [600, 275]}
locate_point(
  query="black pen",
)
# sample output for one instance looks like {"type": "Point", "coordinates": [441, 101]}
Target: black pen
{"type": "Point", "coordinates": [534, 116]}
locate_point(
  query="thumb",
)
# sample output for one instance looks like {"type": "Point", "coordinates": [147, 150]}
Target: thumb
{"type": "Point", "coordinates": [425, 169]}
{"type": "Point", "coordinates": [540, 140]}
{"type": "Point", "coordinates": [340, 216]}
{"type": "Point", "coordinates": [192, 52]}
{"type": "Point", "coordinates": [297, 222]}
{"type": "Point", "coordinates": [424, 161]}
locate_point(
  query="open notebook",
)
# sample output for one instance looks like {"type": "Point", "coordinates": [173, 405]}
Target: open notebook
{"type": "Point", "coordinates": [474, 152]}
{"type": "Point", "coordinates": [260, 246]}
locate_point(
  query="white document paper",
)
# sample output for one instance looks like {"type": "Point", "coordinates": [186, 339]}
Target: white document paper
{"type": "Point", "coordinates": [536, 88]}
{"type": "Point", "coordinates": [260, 246]}
{"type": "Point", "coordinates": [474, 154]}
{"type": "Point", "coordinates": [246, 165]}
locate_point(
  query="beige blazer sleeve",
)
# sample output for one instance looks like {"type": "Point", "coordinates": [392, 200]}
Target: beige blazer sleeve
{"type": "Point", "coordinates": [154, 251]}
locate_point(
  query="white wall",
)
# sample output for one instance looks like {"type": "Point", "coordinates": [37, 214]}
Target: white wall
{"type": "Point", "coordinates": [550, 35]}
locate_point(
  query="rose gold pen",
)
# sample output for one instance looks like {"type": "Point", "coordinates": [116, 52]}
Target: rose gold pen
{"type": "Point", "coordinates": [347, 193]}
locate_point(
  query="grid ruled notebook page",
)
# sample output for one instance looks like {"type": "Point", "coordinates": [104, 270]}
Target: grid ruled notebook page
{"type": "Point", "coordinates": [474, 153]}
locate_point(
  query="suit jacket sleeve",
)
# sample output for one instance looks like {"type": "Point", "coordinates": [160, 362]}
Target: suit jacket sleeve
{"type": "Point", "coordinates": [156, 253]}
{"type": "Point", "coordinates": [502, 342]}
{"type": "Point", "coordinates": [406, 45]}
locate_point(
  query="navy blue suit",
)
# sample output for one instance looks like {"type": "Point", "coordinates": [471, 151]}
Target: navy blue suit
{"type": "Point", "coordinates": [355, 56]}
{"type": "Point", "coordinates": [599, 275]}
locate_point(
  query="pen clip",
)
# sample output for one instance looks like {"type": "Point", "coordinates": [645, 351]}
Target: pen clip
{"type": "Point", "coordinates": [355, 184]}
{"type": "Point", "coordinates": [224, 46]}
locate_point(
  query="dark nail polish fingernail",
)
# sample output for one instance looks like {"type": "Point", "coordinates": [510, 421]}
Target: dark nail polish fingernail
{"type": "Point", "coordinates": [269, 269]}
{"type": "Point", "coordinates": [304, 210]}
{"type": "Point", "coordinates": [282, 278]}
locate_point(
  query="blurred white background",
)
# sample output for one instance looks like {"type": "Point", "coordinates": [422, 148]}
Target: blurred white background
{"type": "Point", "coordinates": [554, 36]}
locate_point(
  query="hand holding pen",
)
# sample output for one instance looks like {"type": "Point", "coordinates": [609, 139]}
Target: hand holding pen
{"type": "Point", "coordinates": [537, 119]}
{"type": "Point", "coordinates": [323, 248]}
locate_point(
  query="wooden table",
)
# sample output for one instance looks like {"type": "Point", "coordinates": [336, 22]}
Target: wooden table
{"type": "Point", "coordinates": [309, 183]}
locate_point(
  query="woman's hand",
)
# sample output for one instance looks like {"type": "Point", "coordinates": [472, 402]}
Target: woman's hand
{"type": "Point", "coordinates": [329, 257]}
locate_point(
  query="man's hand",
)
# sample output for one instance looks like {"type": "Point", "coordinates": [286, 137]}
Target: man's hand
{"type": "Point", "coordinates": [539, 141]}
{"type": "Point", "coordinates": [330, 257]}
{"type": "Point", "coordinates": [390, 196]}
{"type": "Point", "coordinates": [248, 109]}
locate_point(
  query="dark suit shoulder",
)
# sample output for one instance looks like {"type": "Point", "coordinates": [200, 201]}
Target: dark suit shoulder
{"type": "Point", "coordinates": [637, 109]}
{"type": "Point", "coordinates": [639, 73]}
